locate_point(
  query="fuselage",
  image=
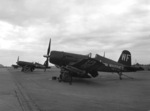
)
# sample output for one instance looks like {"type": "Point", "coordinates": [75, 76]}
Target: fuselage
{"type": "Point", "coordinates": [64, 58]}
{"type": "Point", "coordinates": [23, 63]}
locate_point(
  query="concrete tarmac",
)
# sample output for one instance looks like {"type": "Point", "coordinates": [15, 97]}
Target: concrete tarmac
{"type": "Point", "coordinates": [8, 99]}
{"type": "Point", "coordinates": [36, 91]}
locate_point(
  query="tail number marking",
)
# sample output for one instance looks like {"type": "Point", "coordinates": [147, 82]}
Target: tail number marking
{"type": "Point", "coordinates": [125, 57]}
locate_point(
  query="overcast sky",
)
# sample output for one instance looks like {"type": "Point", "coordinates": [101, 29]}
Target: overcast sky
{"type": "Point", "coordinates": [77, 26]}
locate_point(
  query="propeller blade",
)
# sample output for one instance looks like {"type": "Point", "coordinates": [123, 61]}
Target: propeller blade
{"type": "Point", "coordinates": [47, 56]}
{"type": "Point", "coordinates": [46, 64]}
{"type": "Point", "coordinates": [48, 50]}
{"type": "Point", "coordinates": [49, 47]}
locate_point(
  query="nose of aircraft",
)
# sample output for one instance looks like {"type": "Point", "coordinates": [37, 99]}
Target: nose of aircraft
{"type": "Point", "coordinates": [56, 57]}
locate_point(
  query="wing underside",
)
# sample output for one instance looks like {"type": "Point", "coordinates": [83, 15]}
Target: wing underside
{"type": "Point", "coordinates": [86, 66]}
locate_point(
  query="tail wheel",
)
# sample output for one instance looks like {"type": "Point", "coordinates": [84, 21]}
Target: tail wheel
{"type": "Point", "coordinates": [120, 75]}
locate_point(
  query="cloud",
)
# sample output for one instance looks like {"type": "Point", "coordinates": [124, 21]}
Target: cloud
{"type": "Point", "coordinates": [75, 26]}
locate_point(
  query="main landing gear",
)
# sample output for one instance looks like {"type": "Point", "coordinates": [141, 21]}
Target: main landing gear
{"type": "Point", "coordinates": [65, 76]}
{"type": "Point", "coordinates": [27, 69]}
{"type": "Point", "coordinates": [120, 75]}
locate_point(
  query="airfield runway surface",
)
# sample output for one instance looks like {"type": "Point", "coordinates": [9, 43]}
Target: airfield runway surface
{"type": "Point", "coordinates": [36, 91]}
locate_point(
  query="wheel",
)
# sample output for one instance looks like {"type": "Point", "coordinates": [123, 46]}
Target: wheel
{"type": "Point", "coordinates": [60, 78]}
{"type": "Point", "coordinates": [22, 70]}
{"type": "Point", "coordinates": [66, 76]}
{"type": "Point", "coordinates": [54, 78]}
{"type": "Point", "coordinates": [27, 69]}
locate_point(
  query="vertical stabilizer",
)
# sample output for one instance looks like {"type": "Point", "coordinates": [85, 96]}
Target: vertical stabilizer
{"type": "Point", "coordinates": [125, 58]}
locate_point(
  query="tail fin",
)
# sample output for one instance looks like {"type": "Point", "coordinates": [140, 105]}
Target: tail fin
{"type": "Point", "coordinates": [125, 58]}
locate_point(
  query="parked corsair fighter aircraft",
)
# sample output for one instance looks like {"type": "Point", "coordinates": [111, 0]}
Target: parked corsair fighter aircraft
{"type": "Point", "coordinates": [30, 66]}
{"type": "Point", "coordinates": [83, 66]}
